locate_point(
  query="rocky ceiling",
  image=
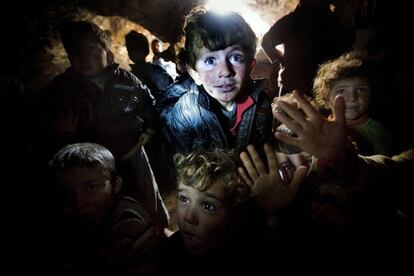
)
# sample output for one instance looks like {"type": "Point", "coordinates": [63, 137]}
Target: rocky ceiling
{"type": "Point", "coordinates": [35, 51]}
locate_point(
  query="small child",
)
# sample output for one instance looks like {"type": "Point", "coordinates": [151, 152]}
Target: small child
{"type": "Point", "coordinates": [219, 226]}
{"type": "Point", "coordinates": [210, 197]}
{"type": "Point", "coordinates": [97, 101]}
{"type": "Point", "coordinates": [226, 109]}
{"type": "Point", "coordinates": [103, 232]}
{"type": "Point", "coordinates": [353, 76]}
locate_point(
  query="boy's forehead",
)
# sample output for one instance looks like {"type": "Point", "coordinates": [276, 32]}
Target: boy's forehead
{"type": "Point", "coordinates": [80, 175]}
{"type": "Point", "coordinates": [204, 50]}
{"type": "Point", "coordinates": [217, 189]}
{"type": "Point", "coordinates": [352, 80]}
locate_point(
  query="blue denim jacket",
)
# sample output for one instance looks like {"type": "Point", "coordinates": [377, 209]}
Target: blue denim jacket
{"type": "Point", "coordinates": [190, 122]}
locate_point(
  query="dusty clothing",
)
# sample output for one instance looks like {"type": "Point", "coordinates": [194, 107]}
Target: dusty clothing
{"type": "Point", "coordinates": [153, 76]}
{"type": "Point", "coordinates": [78, 110]}
{"type": "Point", "coordinates": [115, 117]}
{"type": "Point", "coordinates": [183, 84]}
{"type": "Point", "coordinates": [196, 120]}
{"type": "Point", "coordinates": [124, 244]}
{"type": "Point", "coordinates": [377, 139]}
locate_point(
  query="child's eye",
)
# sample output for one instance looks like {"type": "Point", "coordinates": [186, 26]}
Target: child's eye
{"type": "Point", "coordinates": [183, 199]}
{"type": "Point", "coordinates": [362, 90]}
{"type": "Point", "coordinates": [209, 61]}
{"type": "Point", "coordinates": [237, 58]}
{"type": "Point", "coordinates": [209, 206]}
{"type": "Point", "coordinates": [92, 187]}
{"type": "Point", "coordinates": [339, 92]}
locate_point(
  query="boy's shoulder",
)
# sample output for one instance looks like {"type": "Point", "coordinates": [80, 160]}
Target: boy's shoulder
{"type": "Point", "coordinates": [188, 91]}
{"type": "Point", "coordinates": [124, 79]}
{"type": "Point", "coordinates": [118, 73]}
{"type": "Point", "coordinates": [256, 87]}
{"type": "Point", "coordinates": [131, 219]}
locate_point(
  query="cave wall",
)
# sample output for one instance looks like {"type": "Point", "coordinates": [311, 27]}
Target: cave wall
{"type": "Point", "coordinates": [36, 55]}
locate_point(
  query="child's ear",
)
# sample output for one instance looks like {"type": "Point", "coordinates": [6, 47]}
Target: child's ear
{"type": "Point", "coordinates": [193, 73]}
{"type": "Point", "coordinates": [252, 64]}
{"type": "Point", "coordinates": [117, 184]}
{"type": "Point", "coordinates": [110, 57]}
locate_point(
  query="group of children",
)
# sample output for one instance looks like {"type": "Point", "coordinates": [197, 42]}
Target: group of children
{"type": "Point", "coordinates": [237, 197]}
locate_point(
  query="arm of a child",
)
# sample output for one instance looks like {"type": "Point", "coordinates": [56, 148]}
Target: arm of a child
{"type": "Point", "coordinates": [271, 193]}
{"type": "Point", "coordinates": [180, 127]}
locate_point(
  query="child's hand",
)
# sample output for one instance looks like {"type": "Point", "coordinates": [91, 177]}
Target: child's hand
{"type": "Point", "coordinates": [315, 134]}
{"type": "Point", "coordinates": [272, 193]}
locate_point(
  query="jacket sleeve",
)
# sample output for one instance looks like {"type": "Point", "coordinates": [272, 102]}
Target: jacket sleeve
{"type": "Point", "coordinates": [179, 125]}
{"type": "Point", "coordinates": [146, 105]}
{"type": "Point", "coordinates": [173, 93]}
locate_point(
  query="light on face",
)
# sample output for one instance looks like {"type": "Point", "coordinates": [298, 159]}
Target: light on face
{"type": "Point", "coordinates": [254, 20]}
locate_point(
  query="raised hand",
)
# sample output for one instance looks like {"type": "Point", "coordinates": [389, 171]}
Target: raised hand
{"type": "Point", "coordinates": [272, 193]}
{"type": "Point", "coordinates": [323, 138]}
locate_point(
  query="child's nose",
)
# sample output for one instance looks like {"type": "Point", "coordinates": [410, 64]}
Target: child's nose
{"type": "Point", "coordinates": [351, 96]}
{"type": "Point", "coordinates": [226, 69]}
{"type": "Point", "coordinates": [80, 201]}
{"type": "Point", "coordinates": [190, 215]}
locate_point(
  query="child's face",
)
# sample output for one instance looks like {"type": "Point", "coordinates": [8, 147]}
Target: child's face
{"type": "Point", "coordinates": [356, 92]}
{"type": "Point", "coordinates": [222, 72]}
{"type": "Point", "coordinates": [89, 58]}
{"type": "Point", "coordinates": [202, 217]}
{"type": "Point", "coordinates": [86, 195]}
{"type": "Point", "coordinates": [156, 47]}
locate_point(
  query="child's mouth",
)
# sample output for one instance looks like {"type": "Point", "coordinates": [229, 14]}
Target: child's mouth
{"type": "Point", "coordinates": [226, 88]}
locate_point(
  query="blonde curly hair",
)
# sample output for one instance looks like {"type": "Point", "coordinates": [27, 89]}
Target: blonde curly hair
{"type": "Point", "coordinates": [202, 168]}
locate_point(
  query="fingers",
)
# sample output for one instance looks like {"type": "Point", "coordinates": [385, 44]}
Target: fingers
{"type": "Point", "coordinates": [286, 120]}
{"type": "Point", "coordinates": [294, 113]}
{"type": "Point", "coordinates": [339, 110]}
{"type": "Point", "coordinates": [248, 164]}
{"type": "Point", "coordinates": [298, 177]}
{"type": "Point", "coordinates": [257, 161]}
{"type": "Point", "coordinates": [244, 176]}
{"type": "Point", "coordinates": [306, 106]}
{"type": "Point", "coordinates": [288, 139]}
{"type": "Point", "coordinates": [300, 159]}
{"type": "Point", "coordinates": [271, 158]}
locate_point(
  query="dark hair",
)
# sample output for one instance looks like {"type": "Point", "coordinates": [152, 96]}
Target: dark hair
{"type": "Point", "coordinates": [215, 32]}
{"type": "Point", "coordinates": [135, 40]}
{"type": "Point", "coordinates": [71, 31]}
{"type": "Point", "coordinates": [84, 155]}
